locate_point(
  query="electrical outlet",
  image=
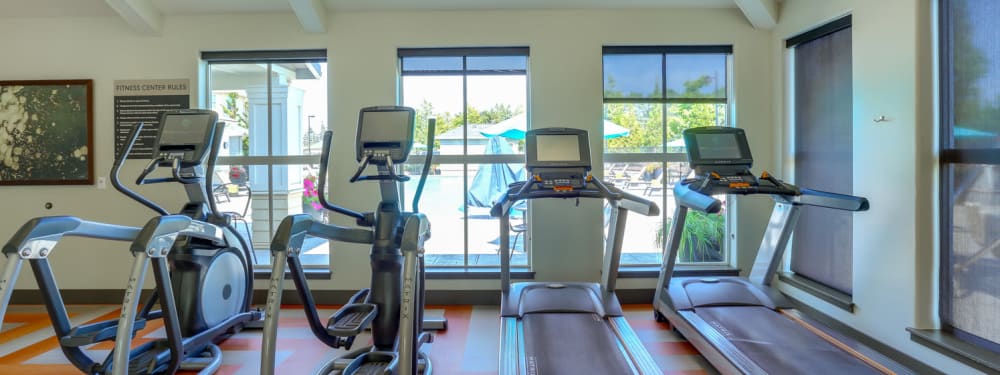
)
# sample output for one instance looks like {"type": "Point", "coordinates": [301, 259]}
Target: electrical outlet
{"type": "Point", "coordinates": [102, 183]}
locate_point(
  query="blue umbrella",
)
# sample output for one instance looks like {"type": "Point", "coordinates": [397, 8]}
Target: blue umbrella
{"type": "Point", "coordinates": [491, 181]}
{"type": "Point", "coordinates": [514, 128]}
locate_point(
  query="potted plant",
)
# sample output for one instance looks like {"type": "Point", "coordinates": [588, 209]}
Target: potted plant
{"type": "Point", "coordinates": [702, 237]}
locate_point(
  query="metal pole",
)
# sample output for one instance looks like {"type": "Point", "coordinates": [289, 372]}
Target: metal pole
{"type": "Point", "coordinates": [7, 282]}
{"type": "Point", "coordinates": [269, 344]}
{"type": "Point", "coordinates": [123, 337]}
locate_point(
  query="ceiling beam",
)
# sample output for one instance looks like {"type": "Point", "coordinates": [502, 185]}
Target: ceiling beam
{"type": "Point", "coordinates": [311, 14]}
{"type": "Point", "coordinates": [140, 14]}
{"type": "Point", "coordinates": [762, 14]}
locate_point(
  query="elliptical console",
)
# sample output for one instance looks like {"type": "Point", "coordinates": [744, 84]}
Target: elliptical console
{"type": "Point", "coordinates": [721, 160]}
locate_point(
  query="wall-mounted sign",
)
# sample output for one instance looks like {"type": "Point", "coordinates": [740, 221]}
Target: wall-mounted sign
{"type": "Point", "coordinates": [141, 101]}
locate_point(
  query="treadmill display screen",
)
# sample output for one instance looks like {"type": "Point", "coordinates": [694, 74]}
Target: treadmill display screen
{"type": "Point", "coordinates": [718, 146]}
{"type": "Point", "coordinates": [558, 147]}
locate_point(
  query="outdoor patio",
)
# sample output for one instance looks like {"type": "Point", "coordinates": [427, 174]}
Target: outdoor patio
{"type": "Point", "coordinates": [446, 244]}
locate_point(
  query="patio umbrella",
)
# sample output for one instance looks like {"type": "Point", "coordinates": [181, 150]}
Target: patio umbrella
{"type": "Point", "coordinates": [514, 128]}
{"type": "Point", "coordinates": [491, 180]}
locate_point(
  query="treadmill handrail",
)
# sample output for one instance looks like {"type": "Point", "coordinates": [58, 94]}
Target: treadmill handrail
{"type": "Point", "coordinates": [786, 193]}
{"type": "Point", "coordinates": [825, 199]}
{"type": "Point", "coordinates": [51, 229]}
{"type": "Point", "coordinates": [527, 191]}
{"type": "Point", "coordinates": [695, 200]}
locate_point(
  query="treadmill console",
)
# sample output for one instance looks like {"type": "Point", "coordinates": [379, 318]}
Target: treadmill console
{"type": "Point", "coordinates": [385, 132]}
{"type": "Point", "coordinates": [558, 158]}
{"type": "Point", "coordinates": [186, 136]}
{"type": "Point", "coordinates": [720, 157]}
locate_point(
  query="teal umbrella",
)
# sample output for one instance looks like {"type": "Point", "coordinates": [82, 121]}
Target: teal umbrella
{"type": "Point", "coordinates": [514, 128]}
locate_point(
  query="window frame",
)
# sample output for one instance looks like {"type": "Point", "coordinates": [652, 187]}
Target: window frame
{"type": "Point", "coordinates": [951, 157]}
{"type": "Point", "coordinates": [817, 288]}
{"type": "Point", "coordinates": [664, 156]}
{"type": "Point", "coordinates": [268, 57]}
{"type": "Point", "coordinates": [465, 159]}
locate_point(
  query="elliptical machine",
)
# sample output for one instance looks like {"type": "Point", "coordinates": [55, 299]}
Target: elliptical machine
{"type": "Point", "coordinates": [201, 265]}
{"type": "Point", "coordinates": [393, 307]}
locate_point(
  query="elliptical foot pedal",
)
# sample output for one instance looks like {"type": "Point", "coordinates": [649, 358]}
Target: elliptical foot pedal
{"type": "Point", "coordinates": [351, 319]}
{"type": "Point", "coordinates": [372, 363]}
{"type": "Point", "coordinates": [94, 333]}
{"type": "Point", "coordinates": [148, 361]}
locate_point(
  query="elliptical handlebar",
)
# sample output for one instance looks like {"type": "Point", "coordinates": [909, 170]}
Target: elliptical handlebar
{"type": "Point", "coordinates": [324, 164]}
{"type": "Point", "coordinates": [220, 127]}
{"type": "Point", "coordinates": [431, 122]}
{"type": "Point", "coordinates": [116, 168]}
{"type": "Point", "coordinates": [175, 170]}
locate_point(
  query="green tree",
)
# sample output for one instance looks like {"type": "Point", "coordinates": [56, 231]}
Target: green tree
{"type": "Point", "coordinates": [645, 120]}
{"type": "Point", "coordinates": [446, 121]}
{"type": "Point", "coordinates": [969, 65]}
{"type": "Point", "coordinates": [238, 108]}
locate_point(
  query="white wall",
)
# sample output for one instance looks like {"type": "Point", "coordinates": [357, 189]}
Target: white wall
{"type": "Point", "coordinates": [565, 90]}
{"type": "Point", "coordinates": [894, 165]}
{"type": "Point", "coordinates": [894, 253]}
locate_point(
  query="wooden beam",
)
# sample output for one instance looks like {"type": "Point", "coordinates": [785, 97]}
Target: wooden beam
{"type": "Point", "coordinates": [140, 14]}
{"type": "Point", "coordinates": [311, 14]}
{"type": "Point", "coordinates": [762, 14]}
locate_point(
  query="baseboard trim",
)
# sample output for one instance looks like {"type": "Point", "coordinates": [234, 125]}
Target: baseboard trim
{"type": "Point", "coordinates": [886, 350]}
{"type": "Point", "coordinates": [322, 297]}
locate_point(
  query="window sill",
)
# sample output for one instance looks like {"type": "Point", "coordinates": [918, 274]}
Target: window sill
{"type": "Point", "coordinates": [640, 272]}
{"type": "Point", "coordinates": [486, 273]}
{"type": "Point", "coordinates": [947, 344]}
{"type": "Point", "coordinates": [832, 296]}
{"type": "Point", "coordinates": [311, 274]}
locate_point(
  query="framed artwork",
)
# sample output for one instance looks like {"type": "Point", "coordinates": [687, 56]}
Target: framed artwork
{"type": "Point", "coordinates": [47, 132]}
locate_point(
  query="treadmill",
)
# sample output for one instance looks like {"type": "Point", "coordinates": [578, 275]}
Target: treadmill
{"type": "Point", "coordinates": [567, 328]}
{"type": "Point", "coordinates": [743, 325]}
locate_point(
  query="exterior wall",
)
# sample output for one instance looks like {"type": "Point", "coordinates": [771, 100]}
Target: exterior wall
{"type": "Point", "coordinates": [565, 90]}
{"type": "Point", "coordinates": [895, 165]}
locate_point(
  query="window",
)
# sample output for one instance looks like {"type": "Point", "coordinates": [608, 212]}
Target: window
{"type": "Point", "coordinates": [822, 250]}
{"type": "Point", "coordinates": [651, 94]}
{"type": "Point", "coordinates": [274, 107]}
{"type": "Point", "coordinates": [970, 171]}
{"type": "Point", "coordinates": [479, 99]}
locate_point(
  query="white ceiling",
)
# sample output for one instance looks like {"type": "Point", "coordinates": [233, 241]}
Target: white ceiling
{"type": "Point", "coordinates": [147, 16]}
{"type": "Point", "coordinates": [100, 8]}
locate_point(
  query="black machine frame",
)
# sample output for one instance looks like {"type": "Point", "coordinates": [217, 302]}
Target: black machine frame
{"type": "Point", "coordinates": [704, 309]}
{"type": "Point", "coordinates": [605, 342]}
{"type": "Point", "coordinates": [393, 306]}
{"type": "Point", "coordinates": [164, 240]}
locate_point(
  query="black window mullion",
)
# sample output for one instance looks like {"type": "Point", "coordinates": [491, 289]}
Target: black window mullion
{"type": "Point", "coordinates": [819, 32]}
{"type": "Point", "coordinates": [666, 50]}
{"type": "Point", "coordinates": [462, 51]}
{"type": "Point", "coordinates": [278, 56]}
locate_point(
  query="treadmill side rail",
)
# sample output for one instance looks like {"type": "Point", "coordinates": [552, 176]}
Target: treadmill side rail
{"type": "Point", "coordinates": [641, 359]}
{"type": "Point", "coordinates": [712, 344]}
{"type": "Point", "coordinates": [511, 360]}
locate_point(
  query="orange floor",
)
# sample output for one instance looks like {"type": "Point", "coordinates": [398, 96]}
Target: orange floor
{"type": "Point", "coordinates": [469, 346]}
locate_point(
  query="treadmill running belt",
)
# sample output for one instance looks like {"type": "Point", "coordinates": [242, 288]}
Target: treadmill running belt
{"type": "Point", "coordinates": [571, 344]}
{"type": "Point", "coordinates": [779, 345]}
